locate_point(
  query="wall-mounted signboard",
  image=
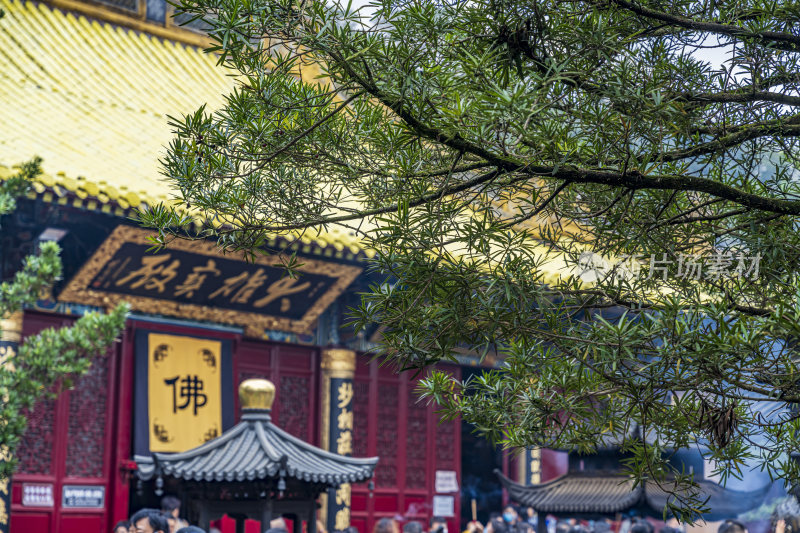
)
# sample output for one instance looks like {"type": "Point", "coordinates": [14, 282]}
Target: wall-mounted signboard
{"type": "Point", "coordinates": [446, 481]}
{"type": "Point", "coordinates": [184, 391]}
{"type": "Point", "coordinates": [191, 279]}
{"type": "Point", "coordinates": [83, 496]}
{"type": "Point", "coordinates": [444, 506]}
{"type": "Point", "coordinates": [37, 494]}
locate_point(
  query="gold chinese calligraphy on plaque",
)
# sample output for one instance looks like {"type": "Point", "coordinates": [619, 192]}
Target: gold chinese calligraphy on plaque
{"type": "Point", "coordinates": [191, 279]}
{"type": "Point", "coordinates": [344, 418]}
{"type": "Point", "coordinates": [184, 391]}
{"type": "Point", "coordinates": [5, 494]}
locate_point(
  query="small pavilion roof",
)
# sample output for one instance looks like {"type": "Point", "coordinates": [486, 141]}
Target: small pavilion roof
{"type": "Point", "coordinates": [602, 492]}
{"type": "Point", "coordinates": [256, 449]}
{"type": "Point", "coordinates": [578, 492]}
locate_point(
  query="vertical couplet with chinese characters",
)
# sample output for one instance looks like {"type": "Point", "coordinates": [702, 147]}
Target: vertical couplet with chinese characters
{"type": "Point", "coordinates": [10, 335]}
{"type": "Point", "coordinates": [338, 369]}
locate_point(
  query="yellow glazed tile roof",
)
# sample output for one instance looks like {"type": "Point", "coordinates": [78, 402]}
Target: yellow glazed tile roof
{"type": "Point", "coordinates": [91, 99]}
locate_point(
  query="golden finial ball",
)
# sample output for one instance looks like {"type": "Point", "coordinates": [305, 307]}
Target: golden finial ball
{"type": "Point", "coordinates": [256, 394]}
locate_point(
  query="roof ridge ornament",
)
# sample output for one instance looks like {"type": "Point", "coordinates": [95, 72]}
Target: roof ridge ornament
{"type": "Point", "coordinates": [256, 396]}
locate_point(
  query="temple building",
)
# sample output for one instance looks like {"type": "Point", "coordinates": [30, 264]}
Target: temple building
{"type": "Point", "coordinates": [87, 85]}
{"type": "Point", "coordinates": [596, 487]}
{"type": "Point", "coordinates": [256, 470]}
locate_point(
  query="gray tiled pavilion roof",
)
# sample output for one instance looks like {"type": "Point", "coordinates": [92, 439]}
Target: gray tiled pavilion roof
{"type": "Point", "coordinates": [579, 492]}
{"type": "Point", "coordinates": [256, 449]}
{"type": "Point", "coordinates": [598, 492]}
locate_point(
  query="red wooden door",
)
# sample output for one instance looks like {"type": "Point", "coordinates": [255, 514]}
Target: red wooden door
{"type": "Point", "coordinates": [67, 445]}
{"type": "Point", "coordinates": [295, 372]}
{"type": "Point", "coordinates": [391, 423]}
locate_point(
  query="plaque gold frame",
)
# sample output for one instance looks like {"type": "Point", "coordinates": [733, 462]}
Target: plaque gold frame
{"type": "Point", "coordinates": [78, 290]}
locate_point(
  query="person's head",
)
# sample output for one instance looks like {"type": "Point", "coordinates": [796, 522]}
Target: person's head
{"type": "Point", "coordinates": [732, 526]}
{"type": "Point", "coordinates": [412, 527]}
{"type": "Point", "coordinates": [171, 505]}
{"type": "Point", "coordinates": [190, 529]}
{"type": "Point", "coordinates": [510, 515]}
{"type": "Point", "coordinates": [499, 526]}
{"type": "Point", "coordinates": [385, 525]}
{"type": "Point", "coordinates": [438, 525]}
{"type": "Point", "coordinates": [121, 527]}
{"type": "Point", "coordinates": [149, 521]}
{"type": "Point", "coordinates": [641, 525]}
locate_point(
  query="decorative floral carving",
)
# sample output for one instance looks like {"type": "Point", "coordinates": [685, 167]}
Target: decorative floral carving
{"type": "Point", "coordinates": [388, 400]}
{"type": "Point", "coordinates": [35, 452]}
{"type": "Point", "coordinates": [360, 418]}
{"type": "Point", "coordinates": [416, 442]}
{"type": "Point", "coordinates": [87, 422]}
{"type": "Point", "coordinates": [445, 444]}
{"type": "Point", "coordinates": [293, 415]}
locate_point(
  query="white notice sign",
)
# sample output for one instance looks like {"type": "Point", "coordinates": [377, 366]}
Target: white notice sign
{"type": "Point", "coordinates": [446, 481]}
{"type": "Point", "coordinates": [444, 506]}
{"type": "Point", "coordinates": [83, 496]}
{"type": "Point", "coordinates": [37, 494]}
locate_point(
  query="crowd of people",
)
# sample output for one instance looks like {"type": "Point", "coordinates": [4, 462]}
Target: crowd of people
{"type": "Point", "coordinates": [164, 520]}
{"type": "Point", "coordinates": [785, 519]}
{"type": "Point", "coordinates": [168, 520]}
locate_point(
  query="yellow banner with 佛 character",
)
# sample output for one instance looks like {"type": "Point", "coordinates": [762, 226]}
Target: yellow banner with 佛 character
{"type": "Point", "coordinates": [184, 391]}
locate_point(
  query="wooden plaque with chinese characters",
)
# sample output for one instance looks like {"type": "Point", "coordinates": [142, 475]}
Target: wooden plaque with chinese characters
{"type": "Point", "coordinates": [191, 279]}
{"type": "Point", "coordinates": [184, 391]}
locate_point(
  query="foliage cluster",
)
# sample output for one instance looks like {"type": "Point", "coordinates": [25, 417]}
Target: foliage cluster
{"type": "Point", "coordinates": [476, 145]}
{"type": "Point", "coordinates": [48, 362]}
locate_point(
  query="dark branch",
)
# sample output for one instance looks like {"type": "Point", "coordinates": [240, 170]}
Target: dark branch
{"type": "Point", "coordinates": [776, 39]}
